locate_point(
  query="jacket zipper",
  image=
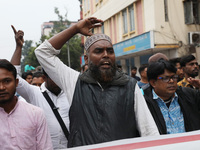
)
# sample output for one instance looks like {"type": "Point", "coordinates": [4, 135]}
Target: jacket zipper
{"type": "Point", "coordinates": [100, 86]}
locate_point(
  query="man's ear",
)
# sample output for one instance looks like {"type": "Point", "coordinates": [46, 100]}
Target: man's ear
{"type": "Point", "coordinates": [16, 82]}
{"type": "Point", "coordinates": [44, 78]}
{"type": "Point", "coordinates": [86, 59]}
{"type": "Point", "coordinates": [183, 69]}
{"type": "Point", "coordinates": [142, 73]}
{"type": "Point", "coordinates": [153, 82]}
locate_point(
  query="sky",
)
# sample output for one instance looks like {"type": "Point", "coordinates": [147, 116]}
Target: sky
{"type": "Point", "coordinates": [29, 15]}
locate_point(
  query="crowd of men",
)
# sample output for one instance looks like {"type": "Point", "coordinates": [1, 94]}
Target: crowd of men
{"type": "Point", "coordinates": [61, 107]}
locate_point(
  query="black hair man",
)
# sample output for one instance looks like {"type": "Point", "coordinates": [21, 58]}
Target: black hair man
{"type": "Point", "coordinates": [33, 94]}
{"type": "Point", "coordinates": [23, 126]}
{"type": "Point", "coordinates": [134, 72]}
{"type": "Point", "coordinates": [28, 76]}
{"type": "Point", "coordinates": [177, 64]}
{"type": "Point", "coordinates": [38, 78]}
{"type": "Point", "coordinates": [190, 68]}
{"type": "Point", "coordinates": [174, 109]}
{"type": "Point", "coordinates": [143, 75]}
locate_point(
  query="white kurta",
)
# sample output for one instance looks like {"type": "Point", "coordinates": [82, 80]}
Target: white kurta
{"type": "Point", "coordinates": [33, 94]}
{"type": "Point", "coordinates": [66, 78]}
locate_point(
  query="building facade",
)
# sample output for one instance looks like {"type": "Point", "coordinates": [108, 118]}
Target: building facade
{"type": "Point", "coordinates": [140, 28]}
{"type": "Point", "coordinates": [47, 27]}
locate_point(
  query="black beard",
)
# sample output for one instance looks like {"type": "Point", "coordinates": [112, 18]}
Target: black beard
{"type": "Point", "coordinates": [193, 75]}
{"type": "Point", "coordinates": [103, 76]}
{"type": "Point", "coordinates": [5, 101]}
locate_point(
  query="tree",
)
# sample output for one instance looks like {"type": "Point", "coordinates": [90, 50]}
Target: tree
{"type": "Point", "coordinates": [75, 52]}
{"type": "Point", "coordinates": [74, 45]}
{"type": "Point", "coordinates": [28, 55]}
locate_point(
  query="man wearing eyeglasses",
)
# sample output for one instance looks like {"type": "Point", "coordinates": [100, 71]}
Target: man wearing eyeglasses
{"type": "Point", "coordinates": [174, 109]}
{"type": "Point", "coordinates": [190, 68]}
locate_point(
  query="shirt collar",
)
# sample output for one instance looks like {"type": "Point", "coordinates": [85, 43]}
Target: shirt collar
{"type": "Point", "coordinates": [156, 97]}
{"type": "Point", "coordinates": [43, 88]}
{"type": "Point", "coordinates": [185, 81]}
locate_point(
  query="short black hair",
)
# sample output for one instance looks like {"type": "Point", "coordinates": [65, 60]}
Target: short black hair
{"type": "Point", "coordinates": [38, 74]}
{"type": "Point", "coordinates": [44, 73]}
{"type": "Point", "coordinates": [25, 74]}
{"type": "Point", "coordinates": [142, 67]}
{"type": "Point", "coordinates": [133, 68]}
{"type": "Point", "coordinates": [186, 59]}
{"type": "Point", "coordinates": [174, 61]}
{"type": "Point", "coordinates": [157, 68]}
{"type": "Point", "coordinates": [8, 66]}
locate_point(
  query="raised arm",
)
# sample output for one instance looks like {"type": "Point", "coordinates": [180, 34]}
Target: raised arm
{"type": "Point", "coordinates": [19, 38]}
{"type": "Point", "coordinates": [194, 82]}
{"type": "Point", "coordinates": [64, 76]}
{"type": "Point", "coordinates": [26, 90]}
{"type": "Point", "coordinates": [82, 27]}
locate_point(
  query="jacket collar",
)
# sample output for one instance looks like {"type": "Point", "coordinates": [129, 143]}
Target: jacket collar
{"type": "Point", "coordinates": [120, 78]}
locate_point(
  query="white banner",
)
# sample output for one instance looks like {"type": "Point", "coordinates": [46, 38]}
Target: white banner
{"type": "Point", "coordinates": [182, 141]}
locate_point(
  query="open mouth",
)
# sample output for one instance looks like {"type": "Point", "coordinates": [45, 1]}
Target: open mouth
{"type": "Point", "coordinates": [105, 64]}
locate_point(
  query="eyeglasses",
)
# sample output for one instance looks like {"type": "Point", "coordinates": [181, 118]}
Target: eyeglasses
{"type": "Point", "coordinates": [167, 78]}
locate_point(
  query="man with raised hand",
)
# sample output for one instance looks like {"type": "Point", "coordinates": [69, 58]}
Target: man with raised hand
{"type": "Point", "coordinates": [106, 104]}
{"type": "Point", "coordinates": [34, 95]}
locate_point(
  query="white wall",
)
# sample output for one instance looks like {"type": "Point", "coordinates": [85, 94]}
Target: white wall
{"type": "Point", "coordinates": [149, 15]}
{"type": "Point", "coordinates": [111, 8]}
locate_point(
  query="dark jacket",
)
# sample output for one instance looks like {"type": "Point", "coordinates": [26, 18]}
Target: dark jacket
{"type": "Point", "coordinates": [102, 114]}
{"type": "Point", "coordinates": [189, 101]}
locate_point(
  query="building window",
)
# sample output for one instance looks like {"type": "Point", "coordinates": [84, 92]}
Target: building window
{"type": "Point", "coordinates": [192, 11]}
{"type": "Point", "coordinates": [125, 21]}
{"type": "Point", "coordinates": [131, 18]}
{"type": "Point", "coordinates": [166, 10]}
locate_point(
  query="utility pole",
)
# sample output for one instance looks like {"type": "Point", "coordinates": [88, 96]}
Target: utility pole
{"type": "Point", "coordinates": [68, 52]}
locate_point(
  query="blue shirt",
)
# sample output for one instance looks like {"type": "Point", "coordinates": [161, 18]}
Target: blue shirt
{"type": "Point", "coordinates": [28, 68]}
{"type": "Point", "coordinates": [141, 84]}
{"type": "Point", "coordinates": [173, 116]}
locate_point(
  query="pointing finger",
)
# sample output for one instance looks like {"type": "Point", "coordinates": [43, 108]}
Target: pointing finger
{"type": "Point", "coordinates": [14, 30]}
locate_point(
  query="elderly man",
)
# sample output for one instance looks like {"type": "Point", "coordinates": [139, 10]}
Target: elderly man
{"type": "Point", "coordinates": [190, 69]}
{"type": "Point", "coordinates": [175, 110]}
{"type": "Point", "coordinates": [106, 104]}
